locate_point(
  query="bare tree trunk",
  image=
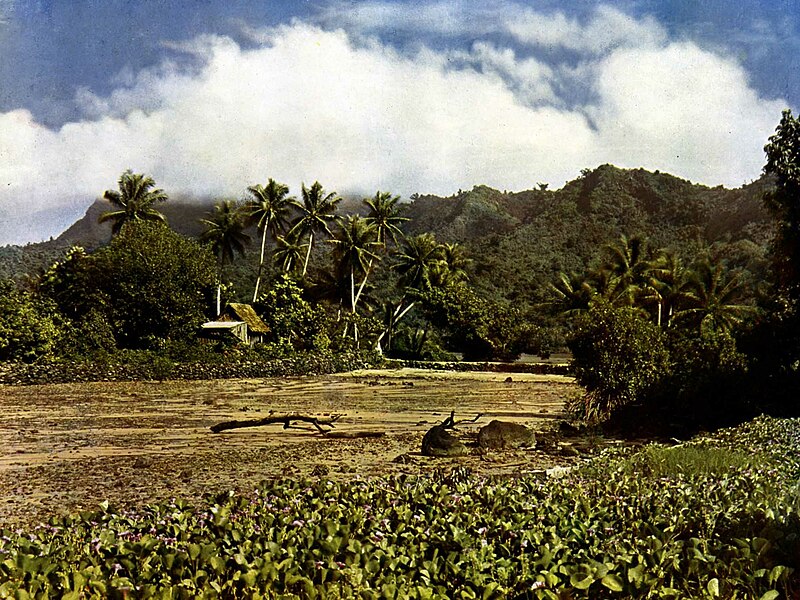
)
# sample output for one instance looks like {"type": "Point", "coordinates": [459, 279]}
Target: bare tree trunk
{"type": "Point", "coordinates": [364, 282]}
{"type": "Point", "coordinates": [260, 263]}
{"type": "Point", "coordinates": [308, 252]}
{"type": "Point", "coordinates": [219, 289]}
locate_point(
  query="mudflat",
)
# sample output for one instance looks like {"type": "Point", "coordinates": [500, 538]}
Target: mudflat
{"type": "Point", "coordinates": [68, 447]}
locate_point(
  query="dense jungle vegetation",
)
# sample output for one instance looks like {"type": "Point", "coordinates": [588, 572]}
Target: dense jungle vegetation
{"type": "Point", "coordinates": [678, 301]}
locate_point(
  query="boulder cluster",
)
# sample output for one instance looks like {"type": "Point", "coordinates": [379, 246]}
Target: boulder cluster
{"type": "Point", "coordinates": [497, 435]}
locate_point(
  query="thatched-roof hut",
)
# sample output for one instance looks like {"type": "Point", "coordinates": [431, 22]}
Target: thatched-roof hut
{"type": "Point", "coordinates": [241, 321]}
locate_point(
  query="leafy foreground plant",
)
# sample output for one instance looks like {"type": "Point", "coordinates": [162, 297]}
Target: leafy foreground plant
{"type": "Point", "coordinates": [616, 528]}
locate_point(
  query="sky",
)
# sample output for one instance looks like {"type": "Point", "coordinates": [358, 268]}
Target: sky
{"type": "Point", "coordinates": [417, 96]}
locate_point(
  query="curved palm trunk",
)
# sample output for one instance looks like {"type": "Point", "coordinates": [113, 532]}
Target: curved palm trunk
{"type": "Point", "coordinates": [363, 283]}
{"type": "Point", "coordinates": [219, 289]}
{"type": "Point", "coordinates": [308, 252]}
{"type": "Point", "coordinates": [260, 263]}
{"type": "Point", "coordinates": [394, 318]}
{"type": "Point", "coordinates": [353, 300]}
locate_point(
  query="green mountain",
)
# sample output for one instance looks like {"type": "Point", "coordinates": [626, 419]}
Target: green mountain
{"type": "Point", "coordinates": [520, 241]}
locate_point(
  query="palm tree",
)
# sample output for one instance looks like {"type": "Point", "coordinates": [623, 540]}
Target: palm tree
{"type": "Point", "coordinates": [317, 211]}
{"type": "Point", "coordinates": [355, 241]}
{"type": "Point", "coordinates": [419, 255]}
{"type": "Point", "coordinates": [288, 252]}
{"type": "Point", "coordinates": [268, 210]}
{"type": "Point", "coordinates": [628, 267]}
{"type": "Point", "coordinates": [384, 215]}
{"type": "Point", "coordinates": [452, 268]}
{"type": "Point", "coordinates": [225, 232]}
{"type": "Point", "coordinates": [134, 201]}
{"type": "Point", "coordinates": [669, 287]}
{"type": "Point", "coordinates": [572, 294]}
{"type": "Point", "coordinates": [713, 295]}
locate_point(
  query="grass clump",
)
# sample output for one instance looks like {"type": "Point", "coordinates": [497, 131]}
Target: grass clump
{"type": "Point", "coordinates": [691, 460]}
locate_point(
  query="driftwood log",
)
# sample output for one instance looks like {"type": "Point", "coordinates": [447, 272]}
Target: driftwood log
{"type": "Point", "coordinates": [451, 423]}
{"type": "Point", "coordinates": [287, 421]}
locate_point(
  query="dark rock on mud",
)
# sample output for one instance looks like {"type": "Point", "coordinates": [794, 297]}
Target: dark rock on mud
{"type": "Point", "coordinates": [440, 443]}
{"type": "Point", "coordinates": [503, 435]}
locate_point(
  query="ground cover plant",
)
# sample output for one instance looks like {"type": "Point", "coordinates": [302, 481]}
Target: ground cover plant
{"type": "Point", "coordinates": [713, 518]}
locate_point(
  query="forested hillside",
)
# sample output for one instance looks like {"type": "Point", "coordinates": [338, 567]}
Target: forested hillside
{"type": "Point", "coordinates": [519, 241]}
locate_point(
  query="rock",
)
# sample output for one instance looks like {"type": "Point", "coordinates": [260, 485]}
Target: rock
{"type": "Point", "coordinates": [500, 435]}
{"type": "Point", "coordinates": [438, 442]}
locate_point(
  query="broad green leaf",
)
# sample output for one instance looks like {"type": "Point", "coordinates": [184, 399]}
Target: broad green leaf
{"type": "Point", "coordinates": [713, 587]}
{"type": "Point", "coordinates": [581, 581]}
{"type": "Point", "coordinates": [636, 574]}
{"type": "Point", "coordinates": [613, 582]}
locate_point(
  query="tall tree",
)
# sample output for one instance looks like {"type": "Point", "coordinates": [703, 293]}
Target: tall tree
{"type": "Point", "coordinates": [355, 241]}
{"type": "Point", "coordinates": [629, 267]}
{"type": "Point", "coordinates": [384, 215]}
{"type": "Point", "coordinates": [288, 252]}
{"type": "Point", "coordinates": [783, 163]}
{"type": "Point", "coordinates": [317, 211]}
{"type": "Point", "coordinates": [714, 300]}
{"type": "Point", "coordinates": [225, 232]}
{"type": "Point", "coordinates": [133, 202]}
{"type": "Point", "coordinates": [452, 269]}
{"type": "Point", "coordinates": [669, 287]}
{"type": "Point", "coordinates": [153, 283]}
{"type": "Point", "coordinates": [416, 259]}
{"type": "Point", "coordinates": [571, 294]}
{"type": "Point", "coordinates": [268, 209]}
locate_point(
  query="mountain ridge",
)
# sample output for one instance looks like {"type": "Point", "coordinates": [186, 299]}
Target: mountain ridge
{"type": "Point", "coordinates": [521, 240]}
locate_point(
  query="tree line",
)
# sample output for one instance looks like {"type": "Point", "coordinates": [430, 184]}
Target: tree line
{"type": "Point", "coordinates": [150, 288]}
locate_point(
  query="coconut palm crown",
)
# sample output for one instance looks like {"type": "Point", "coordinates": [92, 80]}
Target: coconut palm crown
{"type": "Point", "coordinates": [133, 202]}
{"type": "Point", "coordinates": [317, 210]}
{"type": "Point", "coordinates": [267, 209]}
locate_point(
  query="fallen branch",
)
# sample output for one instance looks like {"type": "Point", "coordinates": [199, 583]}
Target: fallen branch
{"type": "Point", "coordinates": [451, 423]}
{"type": "Point", "coordinates": [287, 421]}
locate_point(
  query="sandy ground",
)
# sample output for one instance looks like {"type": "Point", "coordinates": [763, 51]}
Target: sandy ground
{"type": "Point", "coordinates": [68, 447]}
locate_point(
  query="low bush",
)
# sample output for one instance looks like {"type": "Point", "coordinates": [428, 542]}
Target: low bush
{"type": "Point", "coordinates": [134, 365]}
{"type": "Point", "coordinates": [600, 531]}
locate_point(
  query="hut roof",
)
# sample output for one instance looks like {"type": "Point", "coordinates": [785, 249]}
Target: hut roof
{"type": "Point", "coordinates": [222, 324]}
{"type": "Point", "coordinates": [245, 312]}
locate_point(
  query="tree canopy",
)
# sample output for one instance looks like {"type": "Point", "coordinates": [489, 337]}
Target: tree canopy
{"type": "Point", "coordinates": [134, 201]}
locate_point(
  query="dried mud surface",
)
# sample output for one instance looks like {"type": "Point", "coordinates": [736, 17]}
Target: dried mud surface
{"type": "Point", "coordinates": [68, 447]}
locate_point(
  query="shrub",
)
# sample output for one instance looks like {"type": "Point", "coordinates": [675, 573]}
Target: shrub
{"type": "Point", "coordinates": [153, 285]}
{"type": "Point", "coordinates": [618, 357]}
{"type": "Point", "coordinates": [29, 328]}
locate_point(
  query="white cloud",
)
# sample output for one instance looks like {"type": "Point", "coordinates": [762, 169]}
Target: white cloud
{"type": "Point", "coordinates": [310, 104]}
{"type": "Point", "coordinates": [608, 28]}
{"type": "Point", "coordinates": [530, 79]}
{"type": "Point", "coordinates": [683, 110]}
{"type": "Point", "coordinates": [441, 17]}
